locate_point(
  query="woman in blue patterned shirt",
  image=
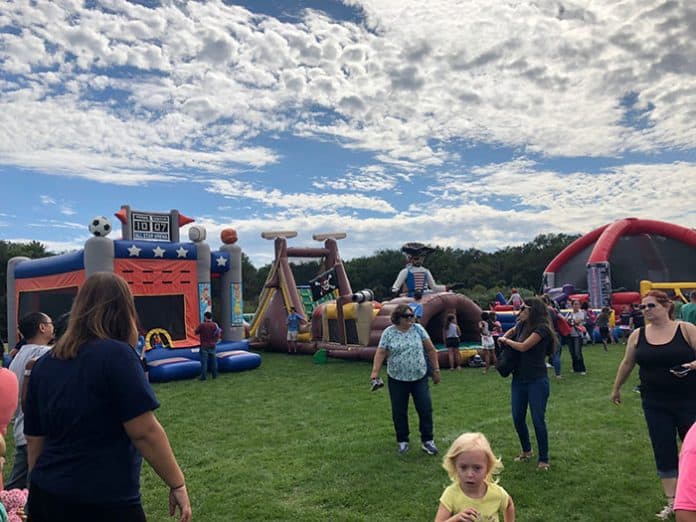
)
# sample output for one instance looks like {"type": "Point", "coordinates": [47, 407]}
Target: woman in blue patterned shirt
{"type": "Point", "coordinates": [403, 345]}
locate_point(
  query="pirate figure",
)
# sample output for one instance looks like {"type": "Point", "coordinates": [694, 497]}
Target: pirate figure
{"type": "Point", "coordinates": [415, 277]}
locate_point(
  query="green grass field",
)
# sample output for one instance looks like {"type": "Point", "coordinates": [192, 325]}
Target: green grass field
{"type": "Point", "coordinates": [294, 441]}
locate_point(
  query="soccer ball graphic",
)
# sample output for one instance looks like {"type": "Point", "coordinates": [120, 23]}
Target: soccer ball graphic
{"type": "Point", "coordinates": [100, 226]}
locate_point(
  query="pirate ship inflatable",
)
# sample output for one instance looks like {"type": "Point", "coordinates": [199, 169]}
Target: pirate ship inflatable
{"type": "Point", "coordinates": [344, 323]}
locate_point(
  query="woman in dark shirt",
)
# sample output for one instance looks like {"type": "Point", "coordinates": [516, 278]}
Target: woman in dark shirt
{"type": "Point", "coordinates": [535, 339]}
{"type": "Point", "coordinates": [669, 398]}
{"type": "Point", "coordinates": [89, 417]}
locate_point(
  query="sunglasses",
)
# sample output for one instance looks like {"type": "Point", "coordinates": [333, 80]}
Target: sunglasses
{"type": "Point", "coordinates": [649, 305]}
{"type": "Point", "coordinates": [407, 316]}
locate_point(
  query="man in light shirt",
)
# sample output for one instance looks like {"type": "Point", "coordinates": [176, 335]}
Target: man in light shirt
{"type": "Point", "coordinates": [37, 329]}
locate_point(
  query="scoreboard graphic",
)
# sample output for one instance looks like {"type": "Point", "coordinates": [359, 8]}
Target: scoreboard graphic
{"type": "Point", "coordinates": [149, 226]}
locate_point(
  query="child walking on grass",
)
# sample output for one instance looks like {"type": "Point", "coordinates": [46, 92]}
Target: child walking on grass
{"type": "Point", "coordinates": [473, 496]}
{"type": "Point", "coordinates": [603, 324]}
{"type": "Point", "coordinates": [487, 342]}
{"type": "Point", "coordinates": [452, 334]}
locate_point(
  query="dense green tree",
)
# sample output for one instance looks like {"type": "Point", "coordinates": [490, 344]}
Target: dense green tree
{"type": "Point", "coordinates": [376, 272]}
{"type": "Point", "coordinates": [481, 273]}
{"type": "Point", "coordinates": [8, 250]}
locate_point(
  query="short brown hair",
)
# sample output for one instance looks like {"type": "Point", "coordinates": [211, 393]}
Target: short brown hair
{"type": "Point", "coordinates": [103, 309]}
{"type": "Point", "coordinates": [398, 312]}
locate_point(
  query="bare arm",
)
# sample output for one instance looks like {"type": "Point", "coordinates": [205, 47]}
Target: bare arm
{"type": "Point", "coordinates": [150, 439]}
{"type": "Point", "coordinates": [467, 515]}
{"type": "Point", "coordinates": [526, 345]}
{"type": "Point", "coordinates": [377, 362]}
{"type": "Point", "coordinates": [432, 354]}
{"type": "Point", "coordinates": [509, 515]}
{"type": "Point", "coordinates": [625, 367]}
{"type": "Point", "coordinates": [689, 331]}
{"type": "Point", "coordinates": [443, 514]}
{"type": "Point", "coordinates": [685, 516]}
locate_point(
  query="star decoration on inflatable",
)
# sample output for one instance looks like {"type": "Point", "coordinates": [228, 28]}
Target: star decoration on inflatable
{"type": "Point", "coordinates": [181, 252]}
{"type": "Point", "coordinates": [158, 251]}
{"type": "Point", "coordinates": [134, 251]}
{"type": "Point", "coordinates": [221, 261]}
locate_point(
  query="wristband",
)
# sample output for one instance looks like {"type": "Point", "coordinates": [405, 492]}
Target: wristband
{"type": "Point", "coordinates": [178, 487]}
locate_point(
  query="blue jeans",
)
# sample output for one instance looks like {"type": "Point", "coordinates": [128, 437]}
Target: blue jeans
{"type": "Point", "coordinates": [536, 395]}
{"type": "Point", "coordinates": [399, 392]}
{"type": "Point", "coordinates": [556, 359]}
{"type": "Point", "coordinates": [208, 354]}
{"type": "Point", "coordinates": [666, 420]}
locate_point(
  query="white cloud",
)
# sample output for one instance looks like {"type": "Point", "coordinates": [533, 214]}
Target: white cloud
{"type": "Point", "coordinates": [206, 92]}
{"type": "Point", "coordinates": [297, 202]}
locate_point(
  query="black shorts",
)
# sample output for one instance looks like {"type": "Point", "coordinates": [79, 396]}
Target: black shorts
{"type": "Point", "coordinates": [452, 342]}
{"type": "Point", "coordinates": [604, 333]}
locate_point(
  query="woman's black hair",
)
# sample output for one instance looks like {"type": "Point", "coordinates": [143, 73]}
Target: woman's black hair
{"type": "Point", "coordinates": [538, 317]}
{"type": "Point", "coordinates": [60, 325]}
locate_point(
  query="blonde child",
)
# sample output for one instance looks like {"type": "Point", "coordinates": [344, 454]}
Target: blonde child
{"type": "Point", "coordinates": [452, 334]}
{"type": "Point", "coordinates": [487, 342]}
{"type": "Point", "coordinates": [473, 495]}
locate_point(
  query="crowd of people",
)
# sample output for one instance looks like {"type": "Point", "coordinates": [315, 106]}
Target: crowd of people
{"type": "Point", "coordinates": [86, 360]}
{"type": "Point", "coordinates": [664, 348]}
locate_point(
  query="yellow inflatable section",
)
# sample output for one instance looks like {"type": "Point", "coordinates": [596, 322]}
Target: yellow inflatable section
{"type": "Point", "coordinates": [676, 287]}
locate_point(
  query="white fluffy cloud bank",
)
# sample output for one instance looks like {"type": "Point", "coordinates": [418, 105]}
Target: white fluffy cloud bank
{"type": "Point", "coordinates": [201, 92]}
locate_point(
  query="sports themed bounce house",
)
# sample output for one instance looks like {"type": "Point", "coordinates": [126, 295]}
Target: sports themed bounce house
{"type": "Point", "coordinates": [612, 260]}
{"type": "Point", "coordinates": [170, 281]}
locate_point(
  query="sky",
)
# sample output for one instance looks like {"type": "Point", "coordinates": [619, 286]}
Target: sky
{"type": "Point", "coordinates": [460, 123]}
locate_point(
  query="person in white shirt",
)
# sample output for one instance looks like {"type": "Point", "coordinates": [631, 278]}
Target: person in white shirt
{"type": "Point", "coordinates": [37, 329]}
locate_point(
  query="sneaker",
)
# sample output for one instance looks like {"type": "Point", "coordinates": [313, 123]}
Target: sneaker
{"type": "Point", "coordinates": [403, 447]}
{"type": "Point", "coordinates": [666, 513]}
{"type": "Point", "coordinates": [583, 373]}
{"type": "Point", "coordinates": [549, 365]}
{"type": "Point", "coordinates": [429, 447]}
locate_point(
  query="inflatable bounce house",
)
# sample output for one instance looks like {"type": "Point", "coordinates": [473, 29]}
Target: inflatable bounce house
{"type": "Point", "coordinates": [342, 323]}
{"type": "Point", "coordinates": [170, 281]}
{"type": "Point", "coordinates": [611, 262]}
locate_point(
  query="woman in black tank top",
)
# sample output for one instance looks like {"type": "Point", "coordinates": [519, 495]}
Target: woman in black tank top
{"type": "Point", "coordinates": [661, 349]}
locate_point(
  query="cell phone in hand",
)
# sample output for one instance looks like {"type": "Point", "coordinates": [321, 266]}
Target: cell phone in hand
{"type": "Point", "coordinates": [679, 370]}
{"type": "Point", "coordinates": [377, 383]}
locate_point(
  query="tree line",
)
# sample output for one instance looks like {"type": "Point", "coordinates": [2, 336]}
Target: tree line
{"type": "Point", "coordinates": [481, 274]}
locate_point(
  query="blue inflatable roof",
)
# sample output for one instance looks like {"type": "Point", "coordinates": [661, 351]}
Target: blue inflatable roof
{"type": "Point", "coordinates": [44, 266]}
